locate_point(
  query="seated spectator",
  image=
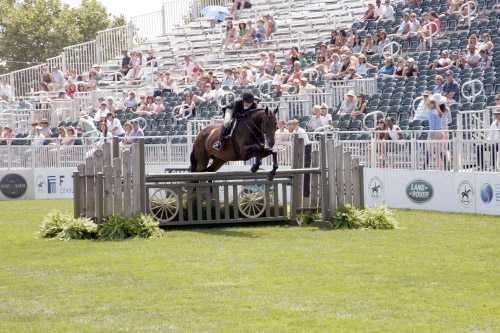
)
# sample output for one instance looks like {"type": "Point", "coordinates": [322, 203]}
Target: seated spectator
{"type": "Point", "coordinates": [134, 134]}
{"type": "Point", "coordinates": [492, 143]}
{"type": "Point", "coordinates": [87, 126]}
{"type": "Point", "coordinates": [404, 27]}
{"type": "Point", "coordinates": [111, 106]}
{"type": "Point", "coordinates": [384, 41]}
{"type": "Point", "coordinates": [349, 104]}
{"type": "Point", "coordinates": [262, 77]}
{"type": "Point", "coordinates": [73, 76]}
{"type": "Point", "coordinates": [59, 80]}
{"type": "Point", "coordinates": [249, 37]}
{"type": "Point", "coordinates": [46, 132]}
{"type": "Point", "coordinates": [302, 59]}
{"type": "Point", "coordinates": [124, 97]}
{"type": "Point", "coordinates": [160, 84]}
{"type": "Point", "coordinates": [63, 95]}
{"type": "Point", "coordinates": [47, 79]}
{"type": "Point", "coordinates": [297, 72]}
{"type": "Point", "coordinates": [376, 43]}
{"type": "Point", "coordinates": [137, 63]}
{"type": "Point", "coordinates": [5, 91]}
{"type": "Point", "coordinates": [454, 7]}
{"type": "Point", "coordinates": [114, 126]}
{"type": "Point", "coordinates": [410, 69]}
{"type": "Point", "coordinates": [188, 68]}
{"type": "Point", "coordinates": [38, 140]}
{"type": "Point", "coordinates": [218, 91]}
{"type": "Point", "coordinates": [471, 60]}
{"type": "Point", "coordinates": [209, 93]}
{"type": "Point", "coordinates": [32, 132]}
{"type": "Point", "coordinates": [422, 112]}
{"type": "Point", "coordinates": [245, 79]}
{"type": "Point", "coordinates": [320, 59]}
{"type": "Point", "coordinates": [412, 4]}
{"type": "Point", "coordinates": [159, 105]}
{"type": "Point", "coordinates": [260, 35]}
{"type": "Point", "coordinates": [341, 40]}
{"type": "Point", "coordinates": [277, 93]}
{"type": "Point", "coordinates": [485, 60]}
{"type": "Point", "coordinates": [101, 112]}
{"type": "Point", "coordinates": [104, 134]}
{"type": "Point", "coordinates": [282, 134]}
{"type": "Point", "coordinates": [439, 85]}
{"type": "Point", "coordinates": [8, 134]}
{"type": "Point", "coordinates": [335, 68]}
{"type": "Point", "coordinates": [242, 32]}
{"type": "Point", "coordinates": [238, 5]}
{"type": "Point", "coordinates": [434, 18]}
{"type": "Point", "coordinates": [356, 46]}
{"type": "Point", "coordinates": [414, 28]}
{"type": "Point", "coordinates": [369, 15]}
{"type": "Point", "coordinates": [486, 44]}
{"type": "Point", "coordinates": [271, 62]}
{"type": "Point", "coordinates": [259, 64]}
{"type": "Point", "coordinates": [363, 66]}
{"type": "Point", "coordinates": [71, 90]}
{"type": "Point", "coordinates": [305, 87]}
{"type": "Point", "coordinates": [423, 23]}
{"type": "Point", "coordinates": [387, 12]}
{"type": "Point", "coordinates": [378, 9]}
{"type": "Point", "coordinates": [441, 62]}
{"type": "Point", "coordinates": [451, 89]}
{"type": "Point", "coordinates": [316, 120]}
{"type": "Point", "coordinates": [400, 68]}
{"type": "Point", "coordinates": [71, 136]}
{"type": "Point", "coordinates": [473, 41]}
{"type": "Point", "coordinates": [333, 37]}
{"type": "Point", "coordinates": [131, 102]}
{"type": "Point", "coordinates": [351, 74]}
{"type": "Point", "coordinates": [393, 131]}
{"type": "Point", "coordinates": [188, 108]}
{"type": "Point", "coordinates": [327, 118]}
{"type": "Point", "coordinates": [126, 65]}
{"type": "Point", "coordinates": [346, 63]}
{"type": "Point", "coordinates": [455, 62]}
{"type": "Point", "coordinates": [96, 74]}
{"type": "Point", "coordinates": [367, 45]}
{"type": "Point", "coordinates": [360, 105]}
{"type": "Point", "coordinates": [387, 70]}
{"type": "Point", "coordinates": [150, 103]}
{"type": "Point", "coordinates": [296, 87]}
{"type": "Point", "coordinates": [228, 80]}
{"type": "Point", "coordinates": [23, 105]}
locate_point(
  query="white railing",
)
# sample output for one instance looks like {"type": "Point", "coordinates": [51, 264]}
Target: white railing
{"type": "Point", "coordinates": [111, 42]}
{"type": "Point", "coordinates": [81, 57]}
{"type": "Point", "coordinates": [148, 26]}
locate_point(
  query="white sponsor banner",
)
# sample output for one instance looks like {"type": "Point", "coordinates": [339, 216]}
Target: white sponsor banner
{"type": "Point", "coordinates": [488, 193]}
{"type": "Point", "coordinates": [374, 191]}
{"type": "Point", "coordinates": [465, 192]}
{"type": "Point", "coordinates": [53, 183]}
{"type": "Point", "coordinates": [431, 190]}
{"type": "Point", "coordinates": [16, 184]}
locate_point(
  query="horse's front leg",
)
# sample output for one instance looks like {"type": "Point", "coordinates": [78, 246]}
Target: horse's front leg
{"type": "Point", "coordinates": [256, 165]}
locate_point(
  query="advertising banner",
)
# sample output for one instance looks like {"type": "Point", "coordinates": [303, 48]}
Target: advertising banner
{"type": "Point", "coordinates": [374, 186]}
{"type": "Point", "coordinates": [16, 184]}
{"type": "Point", "coordinates": [53, 183]}
{"type": "Point", "coordinates": [465, 192]}
{"type": "Point", "coordinates": [488, 193]}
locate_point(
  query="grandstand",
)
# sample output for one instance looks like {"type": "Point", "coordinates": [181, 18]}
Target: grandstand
{"type": "Point", "coordinates": [301, 23]}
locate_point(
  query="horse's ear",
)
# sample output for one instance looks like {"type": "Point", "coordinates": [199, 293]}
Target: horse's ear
{"type": "Point", "coordinates": [275, 111]}
{"type": "Point", "coordinates": [267, 109]}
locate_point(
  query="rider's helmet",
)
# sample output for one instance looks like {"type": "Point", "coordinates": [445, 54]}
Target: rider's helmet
{"type": "Point", "coordinates": [248, 97]}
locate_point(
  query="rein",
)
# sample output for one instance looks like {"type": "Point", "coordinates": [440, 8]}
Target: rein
{"type": "Point", "coordinates": [260, 132]}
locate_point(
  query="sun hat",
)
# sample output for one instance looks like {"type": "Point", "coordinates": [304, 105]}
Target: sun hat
{"type": "Point", "coordinates": [496, 111]}
{"type": "Point", "coordinates": [44, 121]}
{"type": "Point", "coordinates": [296, 63]}
{"type": "Point", "coordinates": [34, 122]}
{"type": "Point", "coordinates": [350, 93]}
{"type": "Point", "coordinates": [45, 99]}
{"type": "Point", "coordinates": [426, 93]}
{"type": "Point", "coordinates": [8, 126]}
{"type": "Point", "coordinates": [82, 114]}
{"type": "Point", "coordinates": [95, 65]}
{"type": "Point", "coordinates": [411, 60]}
{"type": "Point", "coordinates": [303, 79]}
{"type": "Point", "coordinates": [440, 100]}
{"type": "Point", "coordinates": [296, 80]}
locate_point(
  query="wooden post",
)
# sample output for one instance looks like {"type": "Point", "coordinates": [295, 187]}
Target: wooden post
{"type": "Point", "coordinates": [332, 188]}
{"type": "Point", "coordinates": [361, 187]}
{"type": "Point", "coordinates": [99, 197]}
{"type": "Point", "coordinates": [76, 194]}
{"type": "Point", "coordinates": [89, 168]}
{"type": "Point", "coordinates": [298, 184]}
{"type": "Point", "coordinates": [356, 190]}
{"type": "Point", "coordinates": [106, 149]}
{"type": "Point", "coordinates": [98, 161]}
{"type": "Point", "coordinates": [339, 174]}
{"type": "Point", "coordinates": [325, 219]}
{"type": "Point", "coordinates": [117, 186]}
{"type": "Point", "coordinates": [136, 179]}
{"type": "Point", "coordinates": [116, 147]}
{"type": "Point", "coordinates": [347, 178]}
{"type": "Point", "coordinates": [314, 197]}
{"type": "Point", "coordinates": [108, 189]}
{"type": "Point", "coordinates": [127, 185]}
{"type": "Point", "coordinates": [142, 174]}
{"type": "Point", "coordinates": [83, 190]}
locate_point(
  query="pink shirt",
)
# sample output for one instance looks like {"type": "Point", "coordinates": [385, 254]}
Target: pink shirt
{"type": "Point", "coordinates": [9, 136]}
{"type": "Point", "coordinates": [295, 75]}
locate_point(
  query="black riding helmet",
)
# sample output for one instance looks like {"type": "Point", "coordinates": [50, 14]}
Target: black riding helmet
{"type": "Point", "coordinates": [248, 97]}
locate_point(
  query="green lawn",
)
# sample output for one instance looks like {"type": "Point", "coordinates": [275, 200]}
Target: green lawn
{"type": "Point", "coordinates": [439, 272]}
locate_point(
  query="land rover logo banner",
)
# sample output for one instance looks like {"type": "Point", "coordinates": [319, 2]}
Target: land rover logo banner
{"type": "Point", "coordinates": [419, 191]}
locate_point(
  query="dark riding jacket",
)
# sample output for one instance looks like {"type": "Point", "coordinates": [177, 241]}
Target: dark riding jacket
{"type": "Point", "coordinates": [238, 107]}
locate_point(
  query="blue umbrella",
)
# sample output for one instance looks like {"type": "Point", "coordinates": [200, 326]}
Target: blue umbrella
{"type": "Point", "coordinates": [217, 11]}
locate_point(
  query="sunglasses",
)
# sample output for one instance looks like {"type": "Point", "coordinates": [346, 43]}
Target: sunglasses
{"type": "Point", "coordinates": [497, 99]}
{"type": "Point", "coordinates": [380, 122]}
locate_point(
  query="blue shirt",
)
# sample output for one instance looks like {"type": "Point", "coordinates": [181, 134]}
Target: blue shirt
{"type": "Point", "coordinates": [437, 89]}
{"type": "Point", "coordinates": [24, 106]}
{"type": "Point", "coordinates": [131, 103]}
{"type": "Point", "coordinates": [434, 121]}
{"type": "Point", "coordinates": [356, 48]}
{"type": "Point", "coordinates": [386, 71]}
{"type": "Point", "coordinates": [402, 27]}
{"type": "Point", "coordinates": [451, 87]}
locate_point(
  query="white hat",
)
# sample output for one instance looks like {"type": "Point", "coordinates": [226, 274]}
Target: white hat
{"type": "Point", "coordinates": [440, 99]}
{"type": "Point", "coordinates": [82, 114]}
{"type": "Point", "coordinates": [38, 127]}
{"type": "Point", "coordinates": [350, 93]}
{"type": "Point", "coordinates": [411, 60]}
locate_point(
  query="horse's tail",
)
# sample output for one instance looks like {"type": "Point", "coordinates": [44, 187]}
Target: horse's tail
{"type": "Point", "coordinates": [192, 158]}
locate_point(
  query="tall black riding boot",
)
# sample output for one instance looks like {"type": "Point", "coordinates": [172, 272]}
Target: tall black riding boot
{"type": "Point", "coordinates": [218, 144]}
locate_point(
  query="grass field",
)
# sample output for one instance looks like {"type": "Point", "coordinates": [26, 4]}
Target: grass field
{"type": "Point", "coordinates": [439, 272]}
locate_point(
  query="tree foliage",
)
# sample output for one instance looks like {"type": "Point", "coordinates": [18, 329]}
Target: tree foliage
{"type": "Point", "coordinates": [33, 30]}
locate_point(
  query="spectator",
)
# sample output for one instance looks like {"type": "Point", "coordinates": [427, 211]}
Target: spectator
{"type": "Point", "coordinates": [71, 90]}
{"type": "Point", "coordinates": [282, 133]}
{"type": "Point", "coordinates": [486, 44]}
{"type": "Point", "coordinates": [341, 40]}
{"type": "Point", "coordinates": [159, 105]}
{"type": "Point", "coordinates": [136, 131]}
{"type": "Point", "coordinates": [63, 95]}
{"type": "Point", "coordinates": [46, 132]}
{"type": "Point", "coordinates": [356, 46]}
{"type": "Point", "coordinates": [302, 59]}
{"type": "Point", "coordinates": [188, 67]}
{"type": "Point", "coordinates": [126, 65]}
{"type": "Point", "coordinates": [327, 118]}
{"type": "Point", "coordinates": [87, 126]}
{"type": "Point", "coordinates": [124, 97]}
{"type": "Point", "coordinates": [243, 30]}
{"type": "Point", "coordinates": [333, 37]}
{"type": "Point", "coordinates": [296, 86]}
{"type": "Point", "coordinates": [114, 126]}
{"type": "Point", "coordinates": [434, 18]}
{"type": "Point", "coordinates": [378, 9]}
{"type": "Point", "coordinates": [131, 102]}
{"type": "Point", "coordinates": [47, 79]}
{"type": "Point", "coordinates": [376, 43]}
{"type": "Point", "coordinates": [316, 120]}
{"type": "Point", "coordinates": [367, 45]}
{"type": "Point", "coordinates": [369, 15]}
{"type": "Point", "coordinates": [425, 21]}
{"type": "Point", "coordinates": [142, 106]}
{"type": "Point", "coordinates": [279, 76]}
{"type": "Point", "coordinates": [32, 132]}
{"type": "Point", "coordinates": [228, 80]}
{"type": "Point", "coordinates": [439, 85]}
{"type": "Point", "coordinates": [455, 63]}
{"type": "Point", "coordinates": [335, 68]}
{"type": "Point", "coordinates": [101, 112]}
{"type": "Point", "coordinates": [422, 111]}
{"type": "Point", "coordinates": [150, 103]}
{"type": "Point", "coordinates": [127, 127]}
{"type": "Point", "coordinates": [260, 35]}
{"type": "Point", "coordinates": [96, 74]}
{"type": "Point", "coordinates": [451, 89]}
{"type": "Point", "coordinates": [23, 105]}
{"type": "Point", "coordinates": [262, 77]}
{"type": "Point", "coordinates": [73, 76]}
{"type": "Point", "coordinates": [387, 12]}
{"type": "Point", "coordinates": [250, 36]}
{"type": "Point", "coordinates": [239, 5]}
{"type": "Point", "coordinates": [384, 41]}
{"type": "Point", "coordinates": [363, 66]}
{"type": "Point", "coordinates": [360, 105]}
{"type": "Point", "coordinates": [270, 25]}
{"type": "Point", "coordinates": [137, 62]}
{"type": "Point", "coordinates": [444, 61]}
{"type": "Point", "coordinates": [410, 69]}
{"type": "Point", "coordinates": [297, 72]}
{"type": "Point", "coordinates": [71, 136]}
{"type": "Point", "coordinates": [387, 70]}
{"type": "Point", "coordinates": [472, 59]}
{"type": "Point", "coordinates": [349, 104]}
{"type": "Point", "coordinates": [346, 63]}
{"type": "Point", "coordinates": [393, 131]}
{"type": "Point", "coordinates": [218, 91]}
{"type": "Point", "coordinates": [399, 70]}
{"type": "Point", "coordinates": [305, 87]}
{"type": "Point", "coordinates": [485, 61]}
{"type": "Point", "coordinates": [445, 121]}
{"type": "Point", "coordinates": [38, 139]}
{"type": "Point", "coordinates": [5, 91]}
{"type": "Point", "coordinates": [435, 126]}
{"type": "Point", "coordinates": [188, 108]}
{"type": "Point", "coordinates": [229, 36]}
{"type": "Point", "coordinates": [351, 74]}
{"type": "Point", "coordinates": [492, 144]}
{"type": "Point", "coordinates": [104, 134]}
{"type": "Point", "coordinates": [277, 93]}
{"type": "Point", "coordinates": [404, 27]}
{"type": "Point", "coordinates": [414, 27]}
{"type": "Point", "coordinates": [8, 134]}
{"type": "Point", "coordinates": [110, 106]}
{"type": "Point", "coordinates": [473, 41]}
{"type": "Point", "coordinates": [59, 81]}
{"type": "Point", "coordinates": [260, 64]}
{"type": "Point", "coordinates": [300, 131]}
{"type": "Point", "coordinates": [412, 4]}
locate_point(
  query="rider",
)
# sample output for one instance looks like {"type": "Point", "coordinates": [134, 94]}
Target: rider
{"type": "Point", "coordinates": [239, 106]}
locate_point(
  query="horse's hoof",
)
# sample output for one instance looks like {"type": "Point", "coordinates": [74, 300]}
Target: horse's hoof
{"type": "Point", "coordinates": [270, 177]}
{"type": "Point", "coordinates": [254, 170]}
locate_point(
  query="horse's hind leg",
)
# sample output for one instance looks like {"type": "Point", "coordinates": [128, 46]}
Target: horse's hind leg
{"type": "Point", "coordinates": [216, 165]}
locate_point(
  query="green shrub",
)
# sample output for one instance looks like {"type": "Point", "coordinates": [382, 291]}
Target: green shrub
{"type": "Point", "coordinates": [143, 226]}
{"type": "Point", "coordinates": [80, 228]}
{"type": "Point", "coordinates": [113, 227]}
{"type": "Point", "coordinates": [378, 217]}
{"type": "Point", "coordinates": [54, 223]}
{"type": "Point", "coordinates": [308, 219]}
{"type": "Point", "coordinates": [346, 217]}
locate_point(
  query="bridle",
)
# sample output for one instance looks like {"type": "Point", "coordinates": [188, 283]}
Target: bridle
{"type": "Point", "coordinates": [260, 131]}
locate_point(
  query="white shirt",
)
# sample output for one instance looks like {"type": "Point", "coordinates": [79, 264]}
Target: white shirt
{"type": "Point", "coordinates": [38, 140]}
{"type": "Point", "coordinates": [278, 78]}
{"type": "Point", "coordinates": [495, 131]}
{"type": "Point", "coordinates": [209, 95]}
{"type": "Point", "coordinates": [218, 93]}
{"type": "Point", "coordinates": [378, 11]}
{"type": "Point", "coordinates": [394, 133]}
{"type": "Point", "coordinates": [259, 79]}
{"type": "Point", "coordinates": [326, 119]}
{"type": "Point", "coordinates": [414, 26]}
{"type": "Point", "coordinates": [103, 138]}
{"type": "Point", "coordinates": [58, 77]}
{"type": "Point", "coordinates": [388, 13]}
{"type": "Point", "coordinates": [6, 90]}
{"type": "Point", "coordinates": [99, 113]}
{"type": "Point", "coordinates": [302, 134]}
{"type": "Point", "coordinates": [444, 62]}
{"type": "Point", "coordinates": [189, 69]}
{"type": "Point", "coordinates": [315, 122]}
{"type": "Point", "coordinates": [282, 136]}
{"type": "Point", "coordinates": [115, 125]}
{"type": "Point", "coordinates": [422, 112]}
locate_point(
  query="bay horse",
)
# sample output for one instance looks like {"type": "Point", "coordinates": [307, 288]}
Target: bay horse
{"type": "Point", "coordinates": [248, 139]}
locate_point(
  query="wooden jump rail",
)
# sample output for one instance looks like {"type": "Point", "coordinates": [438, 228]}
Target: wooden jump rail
{"type": "Point", "coordinates": [319, 181]}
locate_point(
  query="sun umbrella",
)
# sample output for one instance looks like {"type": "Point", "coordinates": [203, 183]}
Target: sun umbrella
{"type": "Point", "coordinates": [216, 11]}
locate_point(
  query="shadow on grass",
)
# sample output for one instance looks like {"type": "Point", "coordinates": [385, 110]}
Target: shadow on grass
{"type": "Point", "coordinates": [225, 229]}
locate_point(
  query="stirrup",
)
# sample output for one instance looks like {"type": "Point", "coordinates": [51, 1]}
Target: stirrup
{"type": "Point", "coordinates": [216, 145]}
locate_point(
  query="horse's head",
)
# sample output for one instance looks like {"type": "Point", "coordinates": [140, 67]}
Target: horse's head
{"type": "Point", "coordinates": [269, 125]}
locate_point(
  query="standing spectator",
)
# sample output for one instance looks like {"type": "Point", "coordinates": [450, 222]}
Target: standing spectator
{"type": "Point", "coordinates": [270, 25]}
{"type": "Point", "coordinates": [260, 35]}
{"type": "Point", "coordinates": [229, 36]}
{"type": "Point", "coordinates": [5, 91]}
{"type": "Point", "coordinates": [59, 81]}
{"type": "Point", "coordinates": [349, 103]}
{"type": "Point", "coordinates": [451, 89]}
{"type": "Point", "coordinates": [327, 118]}
{"type": "Point", "coordinates": [439, 85]}
{"type": "Point", "coordinates": [485, 61]}
{"type": "Point", "coordinates": [422, 112]}
{"type": "Point", "coordinates": [316, 120]}
{"type": "Point", "coordinates": [282, 133]}
{"type": "Point", "coordinates": [23, 105]}
{"type": "Point", "coordinates": [228, 80]}
{"type": "Point", "coordinates": [492, 144]}
{"type": "Point", "coordinates": [126, 66]}
{"type": "Point", "coordinates": [387, 12]}
{"type": "Point", "coordinates": [300, 131]}
{"type": "Point", "coordinates": [188, 67]}
{"type": "Point", "coordinates": [127, 127]}
{"type": "Point", "coordinates": [436, 128]}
